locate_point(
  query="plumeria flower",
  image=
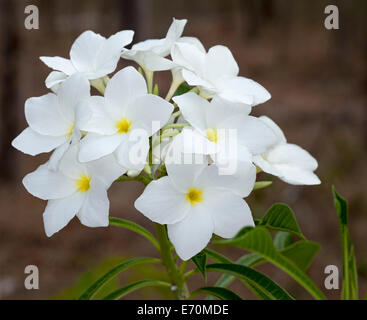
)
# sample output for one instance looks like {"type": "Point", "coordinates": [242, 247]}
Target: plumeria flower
{"type": "Point", "coordinates": [76, 189]}
{"type": "Point", "coordinates": [151, 54]}
{"type": "Point", "coordinates": [122, 121]}
{"type": "Point", "coordinates": [287, 161]}
{"type": "Point", "coordinates": [195, 202]}
{"type": "Point", "coordinates": [216, 73]}
{"type": "Point", "coordinates": [91, 54]}
{"type": "Point", "coordinates": [223, 130]}
{"type": "Point", "coordinates": [52, 119]}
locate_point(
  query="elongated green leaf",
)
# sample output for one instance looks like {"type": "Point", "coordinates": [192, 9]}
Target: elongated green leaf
{"type": "Point", "coordinates": [200, 262]}
{"type": "Point", "coordinates": [281, 217]}
{"type": "Point", "coordinates": [119, 293]}
{"type": "Point", "coordinates": [118, 222]}
{"type": "Point", "coordinates": [217, 257]}
{"type": "Point", "coordinates": [256, 278]}
{"type": "Point", "coordinates": [93, 289]}
{"type": "Point", "coordinates": [258, 240]}
{"type": "Point", "coordinates": [220, 293]}
{"type": "Point", "coordinates": [301, 253]}
{"type": "Point", "coordinates": [262, 184]}
{"type": "Point", "coordinates": [350, 276]}
{"type": "Point", "coordinates": [226, 279]}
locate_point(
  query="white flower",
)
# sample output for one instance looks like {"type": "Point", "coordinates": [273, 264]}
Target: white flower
{"type": "Point", "coordinates": [52, 119]}
{"type": "Point", "coordinates": [91, 54]}
{"type": "Point", "coordinates": [287, 161]}
{"type": "Point", "coordinates": [76, 189]}
{"type": "Point", "coordinates": [223, 130]}
{"type": "Point", "coordinates": [216, 72]}
{"type": "Point", "coordinates": [195, 202]}
{"type": "Point", "coordinates": [150, 54]}
{"type": "Point", "coordinates": [123, 120]}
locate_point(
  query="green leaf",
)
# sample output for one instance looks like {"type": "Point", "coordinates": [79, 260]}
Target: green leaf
{"type": "Point", "coordinates": [350, 276]}
{"type": "Point", "coordinates": [97, 285]}
{"type": "Point", "coordinates": [217, 257]}
{"type": "Point", "coordinates": [256, 278]}
{"type": "Point", "coordinates": [281, 217]}
{"type": "Point", "coordinates": [282, 240]}
{"type": "Point", "coordinates": [200, 262]}
{"type": "Point", "coordinates": [258, 240]}
{"type": "Point", "coordinates": [119, 293]}
{"type": "Point", "coordinates": [118, 222]}
{"type": "Point", "coordinates": [183, 88]}
{"type": "Point", "coordinates": [220, 293]}
{"type": "Point", "coordinates": [262, 184]}
{"type": "Point", "coordinates": [301, 253]}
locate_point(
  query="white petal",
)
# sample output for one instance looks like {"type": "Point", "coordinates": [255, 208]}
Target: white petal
{"type": "Point", "coordinates": [149, 112]}
{"type": "Point", "coordinates": [70, 166]}
{"type": "Point", "coordinates": [31, 142]}
{"type": "Point", "coordinates": [96, 118]}
{"type": "Point", "coordinates": [162, 203]}
{"type": "Point", "coordinates": [176, 29]}
{"type": "Point", "coordinates": [240, 184]}
{"type": "Point", "coordinates": [220, 109]}
{"type": "Point", "coordinates": [189, 57]}
{"type": "Point", "coordinates": [46, 184]}
{"type": "Point", "coordinates": [262, 162]}
{"type": "Point", "coordinates": [229, 212]}
{"type": "Point", "coordinates": [43, 116]}
{"type": "Point", "coordinates": [109, 54]}
{"type": "Point", "coordinates": [83, 52]}
{"type": "Point", "coordinates": [183, 176]}
{"type": "Point", "coordinates": [194, 80]}
{"type": "Point", "coordinates": [220, 62]}
{"type": "Point", "coordinates": [192, 234]}
{"type": "Point", "coordinates": [106, 169]}
{"type": "Point", "coordinates": [293, 155]}
{"type": "Point", "coordinates": [133, 151]}
{"type": "Point", "coordinates": [95, 209]}
{"type": "Point", "coordinates": [190, 142]}
{"type": "Point", "coordinates": [59, 212]}
{"type": "Point", "coordinates": [59, 64]}
{"type": "Point", "coordinates": [252, 133]}
{"type": "Point", "coordinates": [194, 109]}
{"type": "Point", "coordinates": [278, 132]}
{"type": "Point", "coordinates": [94, 146]}
{"type": "Point", "coordinates": [297, 176]}
{"type": "Point", "coordinates": [53, 163]}
{"type": "Point", "coordinates": [72, 91]}
{"type": "Point", "coordinates": [194, 41]}
{"type": "Point", "coordinates": [124, 87]}
{"type": "Point", "coordinates": [240, 89]}
{"type": "Point", "coordinates": [54, 79]}
{"type": "Point", "coordinates": [148, 60]}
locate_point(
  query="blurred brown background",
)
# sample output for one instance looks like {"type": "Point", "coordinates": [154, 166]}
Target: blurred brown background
{"type": "Point", "coordinates": [318, 82]}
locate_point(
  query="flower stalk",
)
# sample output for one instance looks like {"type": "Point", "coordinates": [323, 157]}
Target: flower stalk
{"type": "Point", "coordinates": [176, 277]}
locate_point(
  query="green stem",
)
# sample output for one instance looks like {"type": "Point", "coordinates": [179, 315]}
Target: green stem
{"type": "Point", "coordinates": [175, 125]}
{"type": "Point", "coordinates": [174, 274]}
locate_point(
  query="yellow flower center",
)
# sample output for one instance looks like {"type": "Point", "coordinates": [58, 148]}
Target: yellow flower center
{"type": "Point", "coordinates": [212, 134]}
{"type": "Point", "coordinates": [123, 126]}
{"type": "Point", "coordinates": [83, 183]}
{"type": "Point", "coordinates": [194, 196]}
{"type": "Point", "coordinates": [70, 130]}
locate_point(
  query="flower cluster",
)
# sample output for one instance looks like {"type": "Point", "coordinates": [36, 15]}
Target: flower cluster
{"type": "Point", "coordinates": [198, 150]}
